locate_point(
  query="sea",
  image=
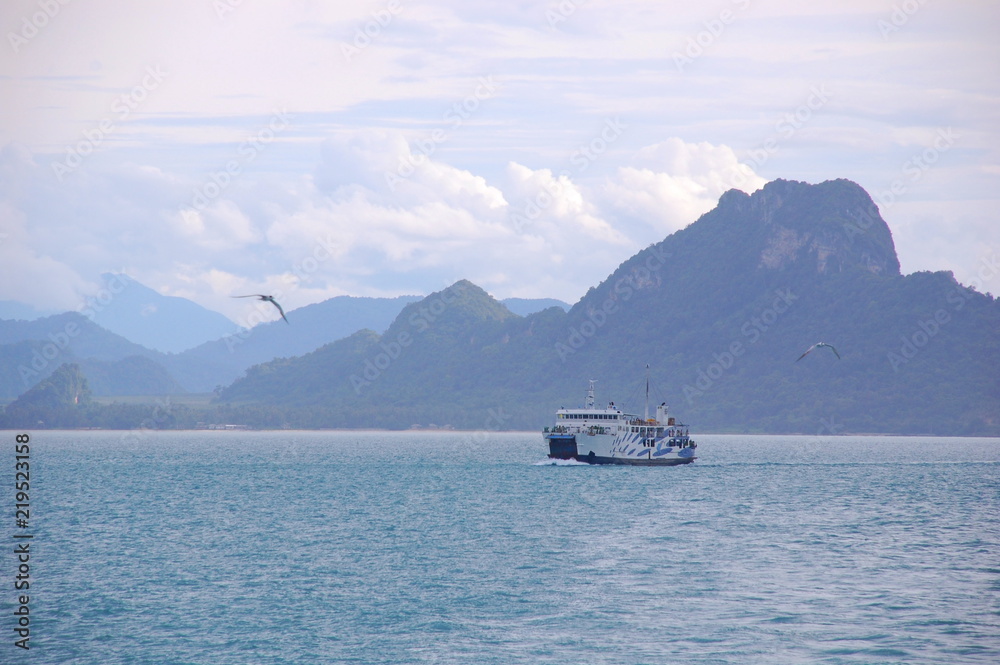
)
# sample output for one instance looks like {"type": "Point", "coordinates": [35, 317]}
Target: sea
{"type": "Point", "coordinates": [229, 547]}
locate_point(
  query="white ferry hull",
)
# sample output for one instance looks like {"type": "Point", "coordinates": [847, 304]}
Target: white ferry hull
{"type": "Point", "coordinates": [624, 448]}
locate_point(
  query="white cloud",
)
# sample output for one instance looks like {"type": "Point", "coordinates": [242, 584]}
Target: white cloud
{"type": "Point", "coordinates": [221, 225]}
{"type": "Point", "coordinates": [31, 276]}
{"type": "Point", "coordinates": [943, 235]}
{"type": "Point", "coordinates": [319, 193]}
{"type": "Point", "coordinates": [672, 183]}
{"type": "Point", "coordinates": [555, 207]}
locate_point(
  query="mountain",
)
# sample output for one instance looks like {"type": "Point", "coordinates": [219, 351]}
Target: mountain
{"type": "Point", "coordinates": [164, 323]}
{"type": "Point", "coordinates": [526, 306]}
{"type": "Point", "coordinates": [57, 401]}
{"type": "Point", "coordinates": [30, 351]}
{"type": "Point", "coordinates": [432, 344]}
{"type": "Point", "coordinates": [131, 375]}
{"type": "Point", "coordinates": [720, 311]}
{"type": "Point", "coordinates": [221, 361]}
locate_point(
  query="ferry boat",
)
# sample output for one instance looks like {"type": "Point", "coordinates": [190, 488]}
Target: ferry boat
{"type": "Point", "coordinates": [612, 436]}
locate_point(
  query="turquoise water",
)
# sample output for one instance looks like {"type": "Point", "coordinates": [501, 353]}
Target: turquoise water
{"type": "Point", "coordinates": [335, 547]}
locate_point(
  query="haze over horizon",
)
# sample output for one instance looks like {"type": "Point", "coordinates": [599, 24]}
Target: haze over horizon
{"type": "Point", "coordinates": [312, 150]}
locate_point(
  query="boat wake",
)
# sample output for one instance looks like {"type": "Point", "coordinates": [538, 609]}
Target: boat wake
{"type": "Point", "coordinates": [561, 462]}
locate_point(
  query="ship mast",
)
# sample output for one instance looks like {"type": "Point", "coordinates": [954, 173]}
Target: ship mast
{"type": "Point", "coordinates": [647, 392]}
{"type": "Point", "coordinates": [590, 395]}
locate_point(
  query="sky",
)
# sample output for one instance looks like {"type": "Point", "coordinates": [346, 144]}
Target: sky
{"type": "Point", "coordinates": [308, 149]}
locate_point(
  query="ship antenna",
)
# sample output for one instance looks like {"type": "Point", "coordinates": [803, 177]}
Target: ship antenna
{"type": "Point", "coordinates": [647, 391]}
{"type": "Point", "coordinates": [590, 394]}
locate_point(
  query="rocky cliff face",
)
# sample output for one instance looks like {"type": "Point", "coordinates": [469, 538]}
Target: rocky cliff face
{"type": "Point", "coordinates": [830, 227]}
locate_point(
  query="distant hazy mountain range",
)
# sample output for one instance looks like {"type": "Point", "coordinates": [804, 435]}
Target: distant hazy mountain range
{"type": "Point", "coordinates": [158, 322]}
{"type": "Point", "coordinates": [119, 340]}
{"type": "Point", "coordinates": [141, 315]}
{"type": "Point", "coordinates": [721, 311]}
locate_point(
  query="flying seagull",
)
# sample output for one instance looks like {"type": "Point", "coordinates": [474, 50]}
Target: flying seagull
{"type": "Point", "coordinates": [818, 344]}
{"type": "Point", "coordinates": [269, 299]}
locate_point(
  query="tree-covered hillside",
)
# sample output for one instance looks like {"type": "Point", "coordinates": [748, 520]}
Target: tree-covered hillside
{"type": "Point", "coordinates": [720, 310]}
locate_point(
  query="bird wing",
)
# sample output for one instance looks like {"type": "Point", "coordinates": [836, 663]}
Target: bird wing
{"type": "Point", "coordinates": [806, 353]}
{"type": "Point", "coordinates": [834, 351]}
{"type": "Point", "coordinates": [281, 311]}
{"type": "Point", "coordinates": [252, 295]}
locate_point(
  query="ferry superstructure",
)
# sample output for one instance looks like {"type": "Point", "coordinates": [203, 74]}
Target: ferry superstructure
{"type": "Point", "coordinates": [612, 436]}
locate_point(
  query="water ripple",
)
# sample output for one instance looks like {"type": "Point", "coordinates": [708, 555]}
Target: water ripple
{"type": "Point", "coordinates": [323, 547]}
